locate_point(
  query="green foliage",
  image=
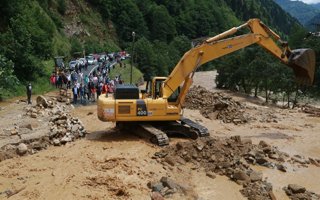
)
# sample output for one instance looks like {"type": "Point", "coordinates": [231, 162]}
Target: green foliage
{"type": "Point", "coordinates": [253, 71]}
{"type": "Point", "coordinates": [297, 36]}
{"type": "Point", "coordinates": [75, 45]}
{"type": "Point", "coordinates": [124, 72]}
{"type": "Point", "coordinates": [8, 81]}
{"type": "Point", "coordinates": [162, 24]}
{"type": "Point", "coordinates": [145, 57]}
{"type": "Point", "coordinates": [62, 7]}
{"type": "Point", "coordinates": [93, 46]}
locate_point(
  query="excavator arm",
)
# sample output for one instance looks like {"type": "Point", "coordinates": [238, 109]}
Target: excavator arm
{"type": "Point", "coordinates": [302, 61]}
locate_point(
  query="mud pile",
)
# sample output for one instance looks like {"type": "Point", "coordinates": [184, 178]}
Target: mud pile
{"type": "Point", "coordinates": [55, 126]}
{"type": "Point", "coordinates": [216, 105]}
{"type": "Point", "coordinates": [230, 157]}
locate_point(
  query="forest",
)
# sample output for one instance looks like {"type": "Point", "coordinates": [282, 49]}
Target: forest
{"type": "Point", "coordinates": [32, 32]}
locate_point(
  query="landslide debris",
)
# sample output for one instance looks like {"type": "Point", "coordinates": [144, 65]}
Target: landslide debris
{"type": "Point", "coordinates": [60, 128]}
{"type": "Point", "coordinates": [230, 157]}
{"type": "Point", "coordinates": [297, 192]}
{"type": "Point", "coordinates": [311, 110]}
{"type": "Point", "coordinates": [215, 105]}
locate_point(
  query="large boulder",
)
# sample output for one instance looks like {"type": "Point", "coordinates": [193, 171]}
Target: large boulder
{"type": "Point", "coordinates": [296, 188]}
{"type": "Point", "coordinates": [41, 100]}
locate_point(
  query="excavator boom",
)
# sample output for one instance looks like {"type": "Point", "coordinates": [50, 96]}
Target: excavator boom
{"type": "Point", "coordinates": [302, 61]}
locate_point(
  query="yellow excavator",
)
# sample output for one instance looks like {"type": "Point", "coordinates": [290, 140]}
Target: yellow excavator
{"type": "Point", "coordinates": [158, 109]}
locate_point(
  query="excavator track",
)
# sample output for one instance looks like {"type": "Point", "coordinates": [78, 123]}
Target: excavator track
{"type": "Point", "coordinates": [158, 132]}
{"type": "Point", "coordinates": [201, 130]}
{"type": "Point", "coordinates": [157, 136]}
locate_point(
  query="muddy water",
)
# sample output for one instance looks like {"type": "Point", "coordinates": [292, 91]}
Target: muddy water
{"type": "Point", "coordinates": [218, 188]}
{"type": "Point", "coordinates": [295, 133]}
{"type": "Point", "coordinates": [307, 177]}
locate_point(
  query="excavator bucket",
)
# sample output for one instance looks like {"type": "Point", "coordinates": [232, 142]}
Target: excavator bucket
{"type": "Point", "coordinates": [303, 62]}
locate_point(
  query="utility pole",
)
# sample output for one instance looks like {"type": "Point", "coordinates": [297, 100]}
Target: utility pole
{"type": "Point", "coordinates": [132, 54]}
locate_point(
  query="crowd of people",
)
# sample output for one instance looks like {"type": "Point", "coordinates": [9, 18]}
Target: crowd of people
{"type": "Point", "coordinates": [87, 88]}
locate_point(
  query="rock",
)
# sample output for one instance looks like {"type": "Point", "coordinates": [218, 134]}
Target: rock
{"type": "Point", "coordinates": [41, 100]}
{"type": "Point", "coordinates": [30, 126]}
{"type": "Point", "coordinates": [61, 121]}
{"type": "Point", "coordinates": [246, 141]}
{"type": "Point", "coordinates": [314, 162]}
{"type": "Point", "coordinates": [295, 189]}
{"type": "Point", "coordinates": [179, 146]}
{"type": "Point", "coordinates": [170, 160]}
{"type": "Point", "coordinates": [263, 144]}
{"type": "Point", "coordinates": [156, 196]}
{"type": "Point", "coordinates": [212, 158]}
{"type": "Point", "coordinates": [34, 115]}
{"type": "Point", "coordinates": [241, 176]}
{"type": "Point", "coordinates": [65, 139]}
{"type": "Point", "coordinates": [200, 145]}
{"type": "Point", "coordinates": [274, 156]}
{"type": "Point", "coordinates": [53, 132]}
{"type": "Point", "coordinates": [236, 138]}
{"type": "Point", "coordinates": [281, 167]}
{"type": "Point", "coordinates": [298, 159]}
{"type": "Point", "coordinates": [56, 142]}
{"type": "Point", "coordinates": [38, 146]}
{"type": "Point", "coordinates": [75, 128]}
{"type": "Point", "coordinates": [211, 175]}
{"type": "Point", "coordinates": [267, 149]}
{"type": "Point", "coordinates": [261, 159]}
{"type": "Point", "coordinates": [255, 176]}
{"type": "Point", "coordinates": [14, 132]}
{"type": "Point", "coordinates": [22, 149]}
{"type": "Point", "coordinates": [90, 113]}
{"type": "Point", "coordinates": [157, 187]}
{"type": "Point", "coordinates": [167, 182]}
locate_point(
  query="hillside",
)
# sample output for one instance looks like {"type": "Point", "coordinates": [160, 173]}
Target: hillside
{"type": "Point", "coordinates": [37, 30]}
{"type": "Point", "coordinates": [314, 23]}
{"type": "Point", "coordinates": [316, 5]}
{"type": "Point", "coordinates": [302, 11]}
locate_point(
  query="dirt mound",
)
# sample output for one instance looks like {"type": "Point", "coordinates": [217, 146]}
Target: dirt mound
{"type": "Point", "coordinates": [216, 105]}
{"type": "Point", "coordinates": [109, 183]}
{"type": "Point", "coordinates": [230, 157]}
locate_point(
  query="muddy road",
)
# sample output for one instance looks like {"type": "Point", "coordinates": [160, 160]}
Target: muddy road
{"type": "Point", "coordinates": [107, 164]}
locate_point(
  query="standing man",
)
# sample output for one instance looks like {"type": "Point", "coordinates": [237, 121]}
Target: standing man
{"type": "Point", "coordinates": [29, 92]}
{"type": "Point", "coordinates": [75, 94]}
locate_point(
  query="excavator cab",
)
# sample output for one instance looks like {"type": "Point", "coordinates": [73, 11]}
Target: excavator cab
{"type": "Point", "coordinates": [156, 86]}
{"type": "Point", "coordinates": [303, 62]}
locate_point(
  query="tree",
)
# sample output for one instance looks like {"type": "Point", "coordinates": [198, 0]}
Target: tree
{"type": "Point", "coordinates": [162, 24]}
{"type": "Point", "coordinates": [145, 58]}
{"type": "Point", "coordinates": [8, 80]}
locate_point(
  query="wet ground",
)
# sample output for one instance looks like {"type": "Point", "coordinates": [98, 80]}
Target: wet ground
{"type": "Point", "coordinates": [111, 165]}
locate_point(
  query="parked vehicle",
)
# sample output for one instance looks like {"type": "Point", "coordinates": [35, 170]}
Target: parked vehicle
{"type": "Point", "coordinates": [90, 60]}
{"type": "Point", "coordinates": [72, 64]}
